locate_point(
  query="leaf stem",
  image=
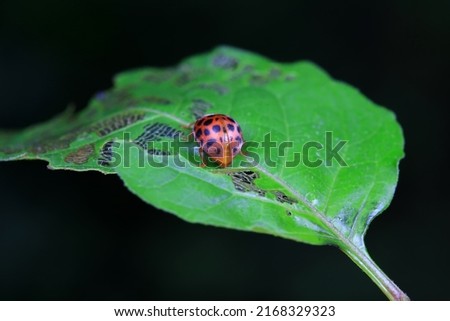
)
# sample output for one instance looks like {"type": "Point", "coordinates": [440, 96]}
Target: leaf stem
{"type": "Point", "coordinates": [365, 262]}
{"type": "Point", "coordinates": [356, 254]}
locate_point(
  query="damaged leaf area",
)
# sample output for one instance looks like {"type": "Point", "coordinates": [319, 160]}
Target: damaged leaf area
{"type": "Point", "coordinates": [320, 162]}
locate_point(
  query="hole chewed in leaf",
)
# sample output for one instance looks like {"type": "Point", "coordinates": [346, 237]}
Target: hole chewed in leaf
{"type": "Point", "coordinates": [289, 78]}
{"type": "Point", "coordinates": [106, 154]}
{"type": "Point", "coordinates": [199, 108]}
{"type": "Point", "coordinates": [244, 182]}
{"type": "Point", "coordinates": [154, 132]}
{"type": "Point", "coordinates": [258, 80]}
{"type": "Point", "coordinates": [283, 198]}
{"type": "Point", "coordinates": [81, 155]}
{"type": "Point", "coordinates": [117, 122]}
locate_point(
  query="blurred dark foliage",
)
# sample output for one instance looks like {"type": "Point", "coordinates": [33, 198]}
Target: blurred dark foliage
{"type": "Point", "coordinates": [83, 236]}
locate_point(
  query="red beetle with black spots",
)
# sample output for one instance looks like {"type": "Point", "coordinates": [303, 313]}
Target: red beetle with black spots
{"type": "Point", "coordinates": [219, 136]}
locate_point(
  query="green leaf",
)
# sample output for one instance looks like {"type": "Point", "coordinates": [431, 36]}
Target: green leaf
{"type": "Point", "coordinates": [332, 169]}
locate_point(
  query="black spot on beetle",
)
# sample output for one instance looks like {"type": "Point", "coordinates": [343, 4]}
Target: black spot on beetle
{"type": "Point", "coordinates": [216, 128]}
{"type": "Point", "coordinates": [239, 139]}
{"type": "Point", "coordinates": [198, 133]}
{"type": "Point", "coordinates": [239, 129]}
{"type": "Point", "coordinates": [210, 142]}
{"type": "Point", "coordinates": [207, 132]}
{"type": "Point", "coordinates": [208, 122]}
{"type": "Point", "coordinates": [230, 127]}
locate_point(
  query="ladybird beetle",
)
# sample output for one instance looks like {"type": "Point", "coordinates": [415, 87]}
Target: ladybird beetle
{"type": "Point", "coordinates": [219, 136]}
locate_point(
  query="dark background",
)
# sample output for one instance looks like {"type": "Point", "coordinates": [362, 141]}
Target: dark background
{"type": "Point", "coordinates": [67, 235]}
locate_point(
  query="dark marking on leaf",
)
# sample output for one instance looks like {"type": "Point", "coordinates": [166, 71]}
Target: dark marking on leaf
{"type": "Point", "coordinates": [158, 152]}
{"type": "Point", "coordinates": [274, 73]}
{"type": "Point", "coordinates": [258, 80]}
{"type": "Point", "coordinates": [289, 213]}
{"type": "Point", "coordinates": [117, 122]}
{"type": "Point", "coordinates": [159, 76]}
{"type": "Point", "coordinates": [283, 198]}
{"type": "Point", "coordinates": [11, 149]}
{"type": "Point", "coordinates": [154, 132]}
{"type": "Point", "coordinates": [221, 90]}
{"type": "Point", "coordinates": [183, 79]}
{"type": "Point", "coordinates": [116, 98]}
{"type": "Point", "coordinates": [157, 100]}
{"type": "Point", "coordinates": [289, 78]}
{"type": "Point", "coordinates": [199, 108]}
{"type": "Point", "coordinates": [81, 155]}
{"type": "Point", "coordinates": [243, 72]}
{"type": "Point", "coordinates": [244, 182]}
{"type": "Point", "coordinates": [225, 62]}
{"type": "Point", "coordinates": [48, 144]}
{"type": "Point", "coordinates": [106, 153]}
